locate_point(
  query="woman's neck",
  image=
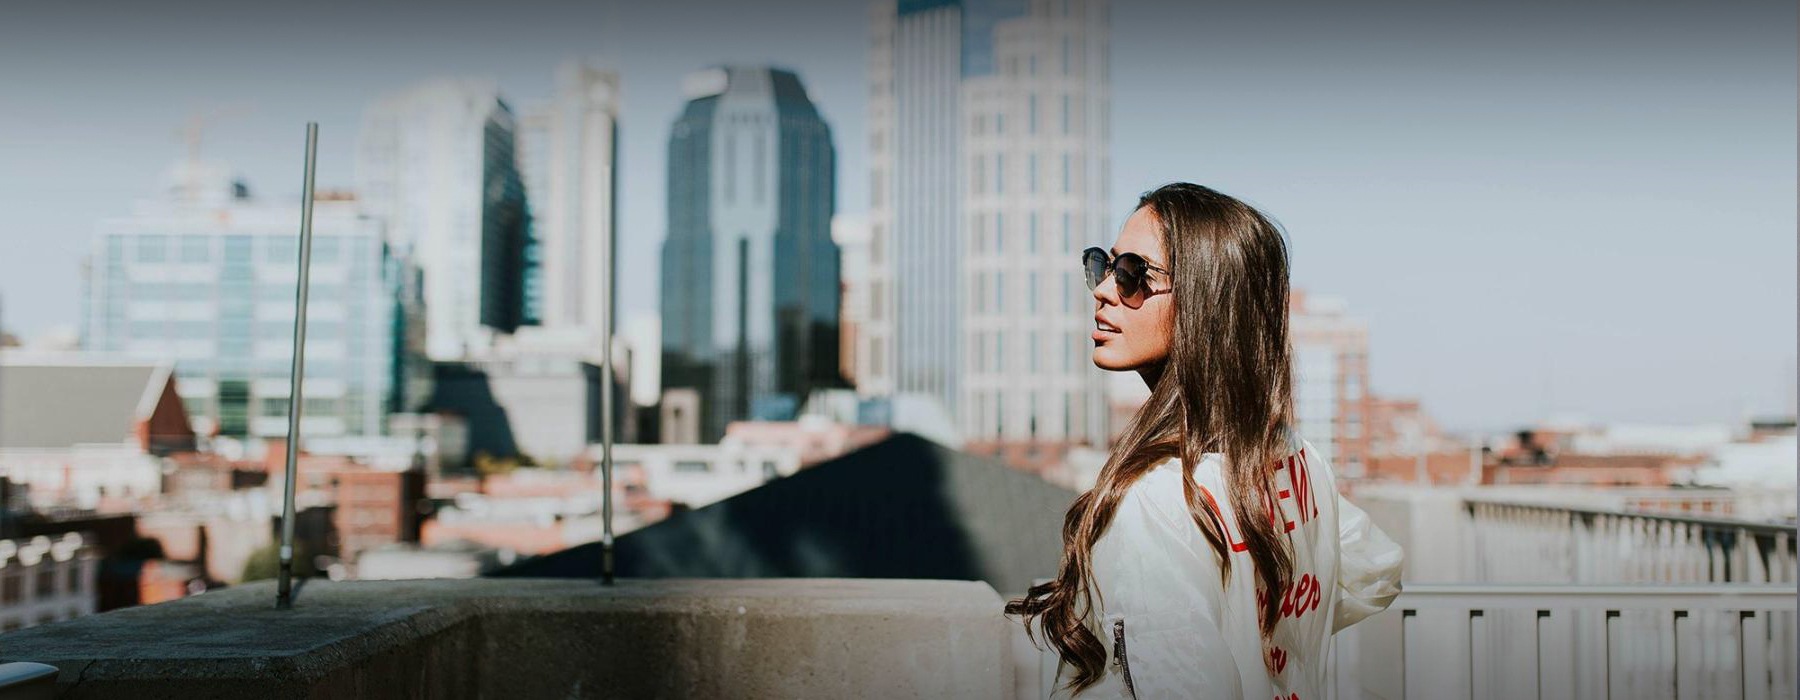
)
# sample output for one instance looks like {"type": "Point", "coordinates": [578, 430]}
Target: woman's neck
{"type": "Point", "coordinates": [1151, 373]}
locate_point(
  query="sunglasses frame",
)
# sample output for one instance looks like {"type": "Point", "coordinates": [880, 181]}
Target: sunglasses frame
{"type": "Point", "coordinates": [1140, 289]}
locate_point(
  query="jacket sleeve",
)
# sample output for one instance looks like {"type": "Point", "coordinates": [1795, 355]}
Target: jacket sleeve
{"type": "Point", "coordinates": [1160, 592]}
{"type": "Point", "coordinates": [1368, 566]}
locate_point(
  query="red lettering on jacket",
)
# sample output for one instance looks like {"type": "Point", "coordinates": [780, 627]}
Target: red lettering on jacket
{"type": "Point", "coordinates": [1306, 506]}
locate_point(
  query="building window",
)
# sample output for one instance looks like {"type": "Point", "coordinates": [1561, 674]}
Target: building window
{"type": "Point", "coordinates": [1031, 173]}
{"type": "Point", "coordinates": [325, 249]}
{"type": "Point", "coordinates": [999, 173]}
{"type": "Point", "coordinates": [1031, 340]}
{"type": "Point", "coordinates": [1067, 184]}
{"type": "Point", "coordinates": [980, 174]}
{"type": "Point", "coordinates": [9, 589]}
{"type": "Point", "coordinates": [1065, 45]}
{"type": "Point", "coordinates": [1000, 292]}
{"type": "Point", "coordinates": [279, 250]}
{"type": "Point", "coordinates": [1031, 112]}
{"type": "Point", "coordinates": [46, 582]}
{"type": "Point", "coordinates": [1031, 296]}
{"type": "Point", "coordinates": [152, 249]}
{"type": "Point", "coordinates": [1065, 114]}
{"type": "Point", "coordinates": [196, 249]}
{"type": "Point", "coordinates": [999, 232]}
{"type": "Point", "coordinates": [1031, 232]}
{"type": "Point", "coordinates": [319, 406]}
{"type": "Point", "coordinates": [730, 164]}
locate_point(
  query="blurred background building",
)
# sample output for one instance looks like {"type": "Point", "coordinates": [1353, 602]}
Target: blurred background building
{"type": "Point", "coordinates": [750, 273]}
{"type": "Point", "coordinates": [973, 298]}
{"type": "Point", "coordinates": [568, 150]}
{"type": "Point", "coordinates": [437, 163]}
{"type": "Point", "coordinates": [204, 277]}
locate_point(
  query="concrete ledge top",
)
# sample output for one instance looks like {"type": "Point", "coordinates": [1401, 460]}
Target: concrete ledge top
{"type": "Point", "coordinates": [240, 625]}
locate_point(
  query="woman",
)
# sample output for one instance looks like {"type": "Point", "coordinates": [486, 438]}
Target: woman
{"type": "Point", "coordinates": [1208, 500]}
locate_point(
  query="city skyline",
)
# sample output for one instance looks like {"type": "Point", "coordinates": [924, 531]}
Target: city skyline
{"type": "Point", "coordinates": [1517, 227]}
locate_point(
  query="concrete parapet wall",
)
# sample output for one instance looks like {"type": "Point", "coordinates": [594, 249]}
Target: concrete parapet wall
{"type": "Point", "coordinates": [513, 638]}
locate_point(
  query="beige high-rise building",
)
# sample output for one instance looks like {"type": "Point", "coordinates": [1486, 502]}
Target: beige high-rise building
{"type": "Point", "coordinates": [989, 140]}
{"type": "Point", "coordinates": [569, 152]}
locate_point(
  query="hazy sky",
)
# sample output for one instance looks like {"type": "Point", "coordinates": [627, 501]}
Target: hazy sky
{"type": "Point", "coordinates": [1540, 209]}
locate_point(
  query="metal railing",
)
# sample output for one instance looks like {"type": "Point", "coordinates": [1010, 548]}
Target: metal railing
{"type": "Point", "coordinates": [1532, 543]}
{"type": "Point", "coordinates": [1561, 641]}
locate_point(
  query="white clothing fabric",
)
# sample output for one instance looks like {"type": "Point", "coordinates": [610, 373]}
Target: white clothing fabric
{"type": "Point", "coordinates": [1173, 629]}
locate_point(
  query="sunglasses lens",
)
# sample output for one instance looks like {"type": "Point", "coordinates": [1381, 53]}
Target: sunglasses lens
{"type": "Point", "coordinates": [1093, 264]}
{"type": "Point", "coordinates": [1128, 273]}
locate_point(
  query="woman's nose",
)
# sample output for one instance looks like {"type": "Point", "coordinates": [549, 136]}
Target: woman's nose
{"type": "Point", "coordinates": [1106, 292]}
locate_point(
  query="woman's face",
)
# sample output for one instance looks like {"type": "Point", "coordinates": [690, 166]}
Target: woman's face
{"type": "Point", "coordinates": [1134, 333]}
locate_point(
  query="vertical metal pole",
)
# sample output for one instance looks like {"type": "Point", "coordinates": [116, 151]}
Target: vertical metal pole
{"type": "Point", "coordinates": [6, 489]}
{"type": "Point", "coordinates": [606, 408]}
{"type": "Point", "coordinates": [284, 585]}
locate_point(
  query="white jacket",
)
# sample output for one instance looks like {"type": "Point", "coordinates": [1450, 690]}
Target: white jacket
{"type": "Point", "coordinates": [1173, 631]}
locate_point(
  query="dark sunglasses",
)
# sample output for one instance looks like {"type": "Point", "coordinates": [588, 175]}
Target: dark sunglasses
{"type": "Point", "coordinates": [1130, 272]}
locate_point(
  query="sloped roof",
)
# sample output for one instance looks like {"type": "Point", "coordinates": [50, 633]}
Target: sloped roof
{"type": "Point", "coordinates": [901, 508]}
{"type": "Point", "coordinates": [59, 405]}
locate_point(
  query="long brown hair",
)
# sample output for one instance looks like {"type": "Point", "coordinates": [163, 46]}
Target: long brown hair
{"type": "Point", "coordinates": [1226, 387]}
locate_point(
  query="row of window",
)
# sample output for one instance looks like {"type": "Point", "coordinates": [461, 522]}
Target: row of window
{"type": "Point", "coordinates": [1070, 113]}
{"type": "Point", "coordinates": [991, 179]}
{"type": "Point", "coordinates": [989, 294]}
{"type": "Point", "coordinates": [1069, 59]}
{"type": "Point", "coordinates": [159, 248]}
{"type": "Point", "coordinates": [44, 584]}
{"type": "Point", "coordinates": [1037, 412]}
{"type": "Point", "coordinates": [1045, 351]}
{"type": "Point", "coordinates": [989, 233]}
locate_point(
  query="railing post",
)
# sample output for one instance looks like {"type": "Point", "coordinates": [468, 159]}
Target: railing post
{"type": "Point", "coordinates": [1606, 651]}
{"type": "Point", "coordinates": [284, 584]}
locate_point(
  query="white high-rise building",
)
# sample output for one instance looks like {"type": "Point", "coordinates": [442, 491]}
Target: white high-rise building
{"type": "Point", "coordinates": [989, 136]}
{"type": "Point", "coordinates": [569, 153]}
{"type": "Point", "coordinates": [204, 278]}
{"type": "Point", "coordinates": [436, 163]}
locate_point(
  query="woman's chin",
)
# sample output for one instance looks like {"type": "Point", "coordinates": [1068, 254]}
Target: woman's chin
{"type": "Point", "coordinates": [1108, 359]}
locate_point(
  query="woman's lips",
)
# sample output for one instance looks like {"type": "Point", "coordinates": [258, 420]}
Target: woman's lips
{"type": "Point", "coordinates": [1104, 331]}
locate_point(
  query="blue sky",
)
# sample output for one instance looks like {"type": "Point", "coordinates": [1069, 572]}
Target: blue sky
{"type": "Point", "coordinates": [1540, 209]}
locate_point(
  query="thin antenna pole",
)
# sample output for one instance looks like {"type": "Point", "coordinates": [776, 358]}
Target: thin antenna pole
{"type": "Point", "coordinates": [606, 408]}
{"type": "Point", "coordinates": [285, 585]}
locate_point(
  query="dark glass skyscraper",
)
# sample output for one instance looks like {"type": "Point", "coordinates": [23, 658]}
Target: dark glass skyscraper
{"type": "Point", "coordinates": [749, 270]}
{"type": "Point", "coordinates": [508, 253]}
